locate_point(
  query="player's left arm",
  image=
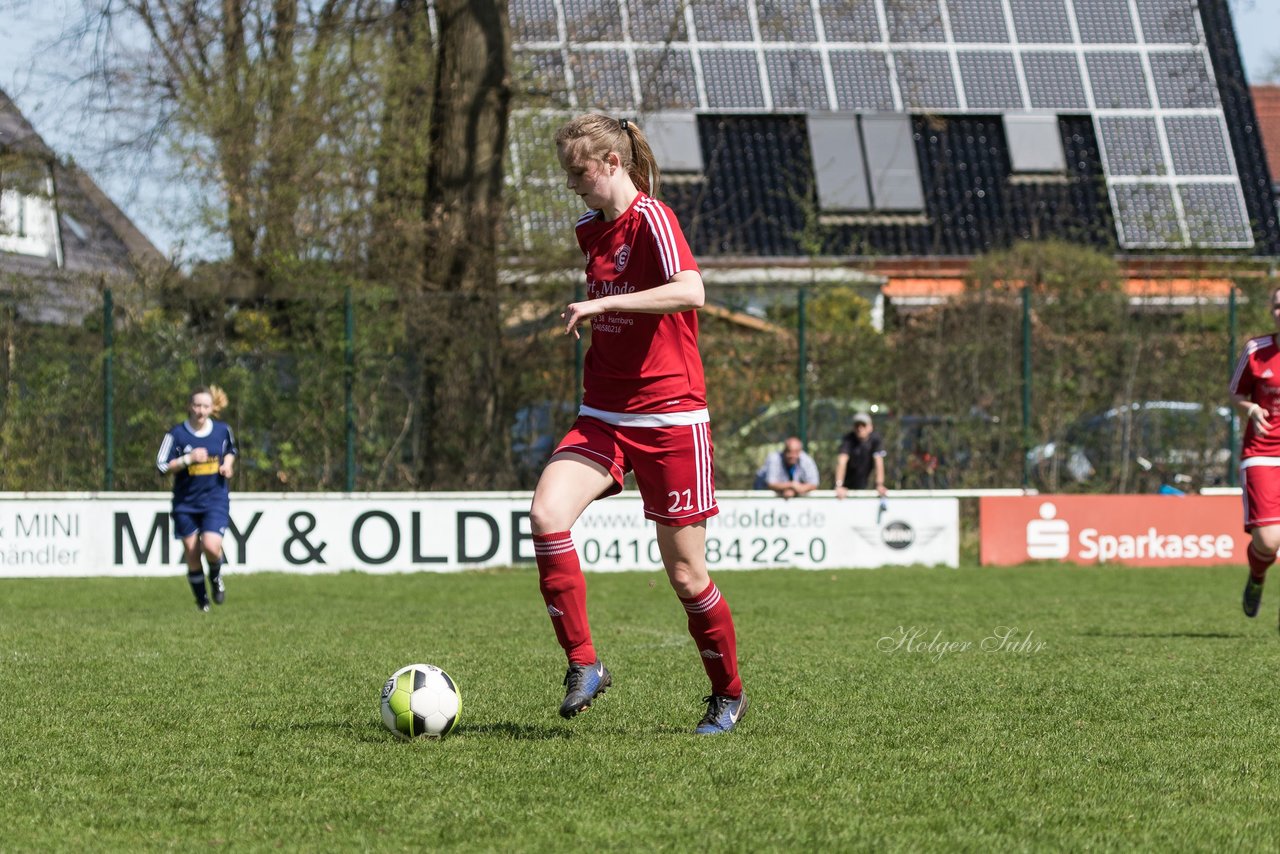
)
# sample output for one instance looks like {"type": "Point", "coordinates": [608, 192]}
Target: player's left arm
{"type": "Point", "coordinates": [683, 292]}
{"type": "Point", "coordinates": [1252, 412]}
{"type": "Point", "coordinates": [228, 467]}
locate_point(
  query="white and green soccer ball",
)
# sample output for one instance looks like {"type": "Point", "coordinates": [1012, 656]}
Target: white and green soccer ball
{"type": "Point", "coordinates": [420, 700]}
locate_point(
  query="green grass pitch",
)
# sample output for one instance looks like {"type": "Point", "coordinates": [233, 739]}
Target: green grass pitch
{"type": "Point", "coordinates": [1130, 709]}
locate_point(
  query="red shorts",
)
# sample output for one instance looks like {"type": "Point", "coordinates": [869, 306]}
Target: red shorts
{"type": "Point", "coordinates": [673, 465]}
{"type": "Point", "coordinates": [1260, 489]}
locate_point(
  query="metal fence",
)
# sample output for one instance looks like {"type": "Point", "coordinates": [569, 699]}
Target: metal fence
{"type": "Point", "coordinates": [1008, 385]}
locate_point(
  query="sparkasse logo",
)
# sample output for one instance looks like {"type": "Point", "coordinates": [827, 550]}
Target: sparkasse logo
{"type": "Point", "coordinates": [1048, 538]}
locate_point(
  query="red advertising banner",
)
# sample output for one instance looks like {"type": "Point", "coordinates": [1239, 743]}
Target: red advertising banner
{"type": "Point", "coordinates": [1140, 530]}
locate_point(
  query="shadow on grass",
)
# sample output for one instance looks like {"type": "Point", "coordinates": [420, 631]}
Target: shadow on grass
{"type": "Point", "coordinates": [520, 732]}
{"type": "Point", "coordinates": [1189, 635]}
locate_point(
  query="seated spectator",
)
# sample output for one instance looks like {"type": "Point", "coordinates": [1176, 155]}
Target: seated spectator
{"type": "Point", "coordinates": [860, 455]}
{"type": "Point", "coordinates": [789, 472]}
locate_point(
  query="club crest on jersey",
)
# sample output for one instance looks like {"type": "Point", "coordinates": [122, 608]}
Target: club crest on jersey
{"type": "Point", "coordinates": [621, 258]}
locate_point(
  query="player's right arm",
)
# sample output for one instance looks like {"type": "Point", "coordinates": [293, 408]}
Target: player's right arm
{"type": "Point", "coordinates": [168, 460]}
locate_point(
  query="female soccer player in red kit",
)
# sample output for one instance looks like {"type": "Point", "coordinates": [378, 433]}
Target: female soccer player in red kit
{"type": "Point", "coordinates": [644, 409]}
{"type": "Point", "coordinates": [1255, 390]}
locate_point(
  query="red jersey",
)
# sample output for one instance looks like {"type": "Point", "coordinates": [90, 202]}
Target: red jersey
{"type": "Point", "coordinates": [1257, 377]}
{"type": "Point", "coordinates": [639, 362]}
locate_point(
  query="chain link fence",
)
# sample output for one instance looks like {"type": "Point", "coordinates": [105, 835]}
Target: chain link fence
{"type": "Point", "coordinates": [1030, 378]}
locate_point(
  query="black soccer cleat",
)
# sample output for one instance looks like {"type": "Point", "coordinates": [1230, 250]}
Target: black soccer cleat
{"type": "Point", "coordinates": [1252, 597]}
{"type": "Point", "coordinates": [583, 683]}
{"type": "Point", "coordinates": [219, 589]}
{"type": "Point", "coordinates": [203, 605]}
{"type": "Point", "coordinates": [723, 714]}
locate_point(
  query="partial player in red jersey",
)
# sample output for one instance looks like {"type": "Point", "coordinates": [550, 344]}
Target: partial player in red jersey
{"type": "Point", "coordinates": [644, 409]}
{"type": "Point", "coordinates": [1255, 390]}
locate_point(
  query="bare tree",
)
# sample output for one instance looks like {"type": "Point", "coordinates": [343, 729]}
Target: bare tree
{"type": "Point", "coordinates": [458, 317]}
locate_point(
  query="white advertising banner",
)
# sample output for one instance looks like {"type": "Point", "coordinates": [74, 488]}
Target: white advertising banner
{"type": "Point", "coordinates": [84, 534]}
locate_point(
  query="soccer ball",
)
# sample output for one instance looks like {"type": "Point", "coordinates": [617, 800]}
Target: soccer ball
{"type": "Point", "coordinates": [420, 700]}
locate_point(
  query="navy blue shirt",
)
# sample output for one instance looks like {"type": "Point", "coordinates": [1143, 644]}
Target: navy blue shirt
{"type": "Point", "coordinates": [199, 487]}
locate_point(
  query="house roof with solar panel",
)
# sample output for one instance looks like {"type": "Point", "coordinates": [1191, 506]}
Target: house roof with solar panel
{"type": "Point", "coordinates": [915, 133]}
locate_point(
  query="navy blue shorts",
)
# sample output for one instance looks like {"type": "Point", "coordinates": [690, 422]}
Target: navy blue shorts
{"type": "Point", "coordinates": [209, 522]}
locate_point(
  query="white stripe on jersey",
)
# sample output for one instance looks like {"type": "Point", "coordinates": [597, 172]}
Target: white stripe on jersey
{"type": "Point", "coordinates": [660, 225]}
{"type": "Point", "coordinates": [1250, 462]}
{"type": "Point", "coordinates": [647, 419]}
{"type": "Point", "coordinates": [162, 457]}
{"type": "Point", "coordinates": [585, 218]}
{"type": "Point", "coordinates": [1251, 346]}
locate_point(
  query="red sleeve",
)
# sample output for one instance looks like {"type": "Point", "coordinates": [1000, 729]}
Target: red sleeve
{"type": "Point", "coordinates": [1242, 379]}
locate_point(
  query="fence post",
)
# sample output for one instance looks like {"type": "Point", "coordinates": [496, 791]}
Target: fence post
{"type": "Point", "coordinates": [1026, 385]}
{"type": "Point", "coordinates": [802, 359]}
{"type": "Point", "coordinates": [1234, 465]}
{"type": "Point", "coordinates": [108, 391]}
{"type": "Point", "coordinates": [348, 382]}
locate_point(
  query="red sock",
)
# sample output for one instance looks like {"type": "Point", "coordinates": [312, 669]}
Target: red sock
{"type": "Point", "coordinates": [1258, 564]}
{"type": "Point", "coordinates": [564, 589]}
{"type": "Point", "coordinates": [711, 626]}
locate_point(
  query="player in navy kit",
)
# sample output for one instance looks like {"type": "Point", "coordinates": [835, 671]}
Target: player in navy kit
{"type": "Point", "coordinates": [644, 410]}
{"type": "Point", "coordinates": [201, 455]}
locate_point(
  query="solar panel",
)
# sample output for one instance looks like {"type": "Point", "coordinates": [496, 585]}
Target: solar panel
{"type": "Point", "coordinates": [667, 80]}
{"type": "Point", "coordinates": [540, 75]}
{"type": "Point", "coordinates": [1168, 21]}
{"type": "Point", "coordinates": [660, 21]}
{"type": "Point", "coordinates": [786, 21]}
{"type": "Point", "coordinates": [1215, 215]}
{"type": "Point", "coordinates": [862, 80]}
{"type": "Point", "coordinates": [925, 80]}
{"type": "Point", "coordinates": [914, 21]}
{"type": "Point", "coordinates": [593, 20]}
{"type": "Point", "coordinates": [1118, 80]}
{"type": "Point", "coordinates": [533, 21]}
{"type": "Point", "coordinates": [1182, 80]}
{"type": "Point", "coordinates": [1053, 80]}
{"type": "Point", "coordinates": [1197, 145]}
{"type": "Point", "coordinates": [733, 80]}
{"type": "Point", "coordinates": [1140, 69]}
{"type": "Point", "coordinates": [1146, 216]}
{"type": "Point", "coordinates": [850, 21]}
{"type": "Point", "coordinates": [977, 21]}
{"type": "Point", "coordinates": [990, 80]}
{"type": "Point", "coordinates": [1041, 21]}
{"type": "Point", "coordinates": [1131, 145]}
{"type": "Point", "coordinates": [1104, 21]}
{"type": "Point", "coordinates": [602, 78]}
{"type": "Point", "coordinates": [795, 79]}
{"type": "Point", "coordinates": [721, 21]}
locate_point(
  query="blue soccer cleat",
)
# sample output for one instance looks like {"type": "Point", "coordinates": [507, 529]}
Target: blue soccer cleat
{"type": "Point", "coordinates": [1252, 597]}
{"type": "Point", "coordinates": [723, 714]}
{"type": "Point", "coordinates": [583, 683]}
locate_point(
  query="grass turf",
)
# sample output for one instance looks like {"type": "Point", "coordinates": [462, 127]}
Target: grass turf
{"type": "Point", "coordinates": [1144, 719]}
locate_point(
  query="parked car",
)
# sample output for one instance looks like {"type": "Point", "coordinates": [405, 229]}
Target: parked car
{"type": "Point", "coordinates": [1138, 447]}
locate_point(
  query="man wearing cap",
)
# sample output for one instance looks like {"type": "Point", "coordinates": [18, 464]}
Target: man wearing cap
{"type": "Point", "coordinates": [861, 455]}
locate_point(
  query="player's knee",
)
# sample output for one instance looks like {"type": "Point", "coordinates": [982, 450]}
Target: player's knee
{"type": "Point", "coordinates": [1266, 541]}
{"type": "Point", "coordinates": [543, 519]}
{"type": "Point", "coordinates": [686, 579]}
